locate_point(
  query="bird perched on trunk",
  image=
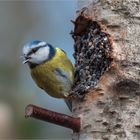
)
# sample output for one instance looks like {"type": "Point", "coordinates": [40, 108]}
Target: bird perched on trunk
{"type": "Point", "coordinates": [50, 68]}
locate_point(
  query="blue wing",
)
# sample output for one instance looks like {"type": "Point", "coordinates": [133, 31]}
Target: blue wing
{"type": "Point", "coordinates": [66, 84]}
{"type": "Point", "coordinates": [63, 76]}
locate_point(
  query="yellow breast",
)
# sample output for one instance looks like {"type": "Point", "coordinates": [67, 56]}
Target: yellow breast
{"type": "Point", "coordinates": [55, 76]}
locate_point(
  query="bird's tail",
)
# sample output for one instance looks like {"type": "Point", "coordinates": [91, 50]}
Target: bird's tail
{"type": "Point", "coordinates": [68, 103]}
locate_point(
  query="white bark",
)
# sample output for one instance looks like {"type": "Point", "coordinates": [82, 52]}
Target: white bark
{"type": "Point", "coordinates": [113, 113]}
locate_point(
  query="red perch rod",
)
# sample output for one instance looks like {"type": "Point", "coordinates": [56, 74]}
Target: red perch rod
{"type": "Point", "coordinates": [52, 117]}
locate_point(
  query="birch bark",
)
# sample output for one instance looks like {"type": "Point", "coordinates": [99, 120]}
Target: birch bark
{"type": "Point", "coordinates": [113, 113]}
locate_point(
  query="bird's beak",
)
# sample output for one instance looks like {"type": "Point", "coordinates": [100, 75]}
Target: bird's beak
{"type": "Point", "coordinates": [25, 61]}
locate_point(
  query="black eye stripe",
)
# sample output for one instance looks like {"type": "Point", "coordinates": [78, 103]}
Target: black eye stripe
{"type": "Point", "coordinates": [32, 51]}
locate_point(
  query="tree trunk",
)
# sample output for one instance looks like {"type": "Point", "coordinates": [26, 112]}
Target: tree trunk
{"type": "Point", "coordinates": [113, 112]}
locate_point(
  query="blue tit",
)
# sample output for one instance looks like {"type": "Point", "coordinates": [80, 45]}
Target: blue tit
{"type": "Point", "coordinates": [50, 68]}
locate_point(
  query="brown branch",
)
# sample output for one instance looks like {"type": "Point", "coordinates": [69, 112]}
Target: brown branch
{"type": "Point", "coordinates": [53, 117]}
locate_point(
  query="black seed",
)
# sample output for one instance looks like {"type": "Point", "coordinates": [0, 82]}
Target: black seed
{"type": "Point", "coordinates": [91, 62]}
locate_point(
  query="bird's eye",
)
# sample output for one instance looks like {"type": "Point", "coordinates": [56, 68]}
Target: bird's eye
{"type": "Point", "coordinates": [34, 50]}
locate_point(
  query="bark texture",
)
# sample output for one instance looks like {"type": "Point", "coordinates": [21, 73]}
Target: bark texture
{"type": "Point", "coordinates": [112, 110]}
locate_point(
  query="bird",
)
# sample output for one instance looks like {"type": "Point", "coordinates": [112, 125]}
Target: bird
{"type": "Point", "coordinates": [50, 68]}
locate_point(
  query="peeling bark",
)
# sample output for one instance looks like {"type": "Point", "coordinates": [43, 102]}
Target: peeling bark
{"type": "Point", "coordinates": [112, 110]}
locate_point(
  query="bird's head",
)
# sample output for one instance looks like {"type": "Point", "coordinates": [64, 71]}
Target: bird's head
{"type": "Point", "coordinates": [37, 52]}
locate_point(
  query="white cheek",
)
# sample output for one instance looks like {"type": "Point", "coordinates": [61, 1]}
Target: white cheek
{"type": "Point", "coordinates": [40, 56]}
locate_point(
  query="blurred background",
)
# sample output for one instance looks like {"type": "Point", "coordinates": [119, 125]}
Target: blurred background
{"type": "Point", "coordinates": [21, 22]}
